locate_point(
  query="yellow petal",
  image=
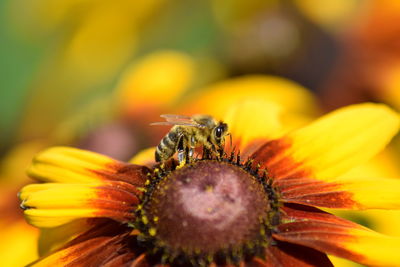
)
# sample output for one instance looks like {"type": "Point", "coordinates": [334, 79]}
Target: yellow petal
{"type": "Point", "coordinates": [362, 193]}
{"type": "Point", "coordinates": [53, 218]}
{"type": "Point", "coordinates": [52, 204]}
{"type": "Point", "coordinates": [103, 243]}
{"type": "Point", "coordinates": [343, 239]}
{"type": "Point", "coordinates": [383, 165]}
{"type": "Point", "coordinates": [377, 249]}
{"type": "Point", "coordinates": [332, 145]}
{"type": "Point", "coordinates": [216, 99]}
{"type": "Point", "coordinates": [66, 164]}
{"type": "Point", "coordinates": [52, 195]}
{"type": "Point", "coordinates": [373, 193]}
{"type": "Point", "coordinates": [71, 165]}
{"type": "Point", "coordinates": [344, 139]}
{"type": "Point", "coordinates": [253, 120]}
{"type": "Point", "coordinates": [340, 262]}
{"type": "Point", "coordinates": [144, 157]}
{"type": "Point", "coordinates": [54, 238]}
{"type": "Point", "coordinates": [382, 221]}
{"type": "Point", "coordinates": [18, 246]}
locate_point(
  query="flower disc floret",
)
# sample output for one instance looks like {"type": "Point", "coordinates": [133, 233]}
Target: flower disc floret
{"type": "Point", "coordinates": [207, 211]}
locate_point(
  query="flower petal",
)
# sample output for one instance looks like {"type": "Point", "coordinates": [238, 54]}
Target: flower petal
{"type": "Point", "coordinates": [295, 212]}
{"type": "Point", "coordinates": [103, 244]}
{"type": "Point", "coordinates": [52, 239]}
{"type": "Point", "coordinates": [346, 193]}
{"type": "Point", "coordinates": [340, 262]}
{"type": "Point", "coordinates": [253, 121]}
{"type": "Point", "coordinates": [383, 221]}
{"type": "Point", "coordinates": [331, 145]}
{"type": "Point", "coordinates": [18, 243]}
{"type": "Point", "coordinates": [340, 238]}
{"type": "Point", "coordinates": [66, 164]}
{"type": "Point", "coordinates": [217, 98]}
{"type": "Point", "coordinates": [286, 254]}
{"type": "Point", "coordinates": [52, 204]}
{"type": "Point", "coordinates": [145, 157]}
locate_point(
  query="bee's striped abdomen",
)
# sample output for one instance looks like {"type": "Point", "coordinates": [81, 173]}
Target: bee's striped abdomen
{"type": "Point", "coordinates": [167, 147]}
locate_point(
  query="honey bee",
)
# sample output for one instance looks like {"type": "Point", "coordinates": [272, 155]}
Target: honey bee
{"type": "Point", "coordinates": [188, 133]}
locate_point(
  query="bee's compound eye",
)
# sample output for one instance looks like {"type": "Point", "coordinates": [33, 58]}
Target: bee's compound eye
{"type": "Point", "coordinates": [218, 131]}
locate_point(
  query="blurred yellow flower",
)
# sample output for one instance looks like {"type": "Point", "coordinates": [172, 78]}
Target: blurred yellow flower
{"type": "Point", "coordinates": [156, 82]}
{"type": "Point", "coordinates": [19, 240]}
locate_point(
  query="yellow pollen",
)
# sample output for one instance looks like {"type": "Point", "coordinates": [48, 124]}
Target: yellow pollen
{"type": "Point", "coordinates": [262, 231]}
{"type": "Point", "coordinates": [209, 188]}
{"type": "Point", "coordinates": [181, 165]}
{"type": "Point", "coordinates": [152, 231]}
{"type": "Point", "coordinates": [145, 220]}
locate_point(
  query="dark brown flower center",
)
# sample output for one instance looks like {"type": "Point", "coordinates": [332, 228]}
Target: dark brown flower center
{"type": "Point", "coordinates": [207, 210]}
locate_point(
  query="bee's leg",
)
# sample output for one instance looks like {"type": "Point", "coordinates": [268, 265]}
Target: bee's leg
{"type": "Point", "coordinates": [191, 152]}
{"type": "Point", "coordinates": [220, 148]}
{"type": "Point", "coordinates": [182, 153]}
{"type": "Point", "coordinates": [181, 159]}
{"type": "Point", "coordinates": [187, 155]}
{"type": "Point", "coordinates": [208, 150]}
{"type": "Point", "coordinates": [215, 150]}
{"type": "Point", "coordinates": [190, 148]}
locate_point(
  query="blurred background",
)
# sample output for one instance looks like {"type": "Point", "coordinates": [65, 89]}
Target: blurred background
{"type": "Point", "coordinates": [94, 73]}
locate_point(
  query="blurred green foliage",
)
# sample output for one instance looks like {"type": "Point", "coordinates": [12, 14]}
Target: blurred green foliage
{"type": "Point", "coordinates": [18, 62]}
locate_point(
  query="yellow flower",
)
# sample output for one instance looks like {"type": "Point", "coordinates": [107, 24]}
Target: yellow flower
{"type": "Point", "coordinates": [261, 210]}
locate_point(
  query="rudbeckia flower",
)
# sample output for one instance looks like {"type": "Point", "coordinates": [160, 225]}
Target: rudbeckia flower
{"type": "Point", "coordinates": [255, 210]}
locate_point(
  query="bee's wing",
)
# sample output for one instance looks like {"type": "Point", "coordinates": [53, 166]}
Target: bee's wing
{"type": "Point", "coordinates": [178, 120]}
{"type": "Point", "coordinates": [172, 123]}
{"type": "Point", "coordinates": [173, 117]}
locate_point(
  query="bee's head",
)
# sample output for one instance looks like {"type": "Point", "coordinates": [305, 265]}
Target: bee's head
{"type": "Point", "coordinates": [219, 132]}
